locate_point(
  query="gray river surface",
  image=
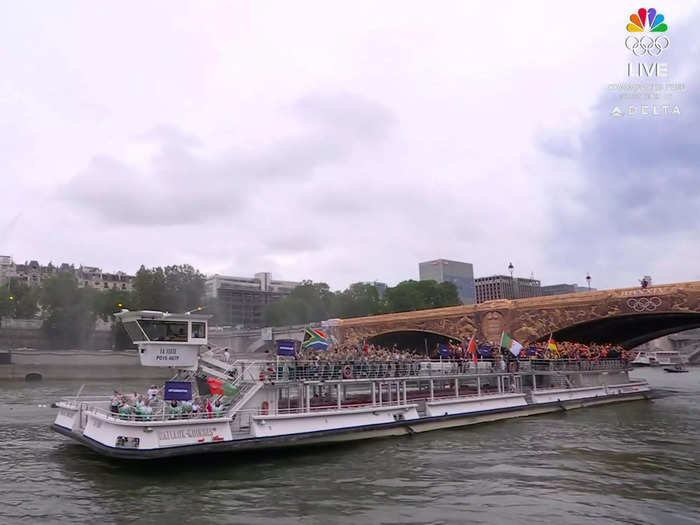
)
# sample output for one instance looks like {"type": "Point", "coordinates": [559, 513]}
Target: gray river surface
{"type": "Point", "coordinates": [635, 462]}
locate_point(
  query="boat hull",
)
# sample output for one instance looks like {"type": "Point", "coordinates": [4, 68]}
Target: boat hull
{"type": "Point", "coordinates": [338, 435]}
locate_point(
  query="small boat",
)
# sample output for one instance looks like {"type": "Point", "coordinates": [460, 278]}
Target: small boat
{"type": "Point", "coordinates": [677, 369]}
{"type": "Point", "coordinates": [657, 358]}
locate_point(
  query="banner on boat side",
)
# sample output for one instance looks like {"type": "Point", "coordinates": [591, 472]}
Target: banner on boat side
{"type": "Point", "coordinates": [286, 347]}
{"type": "Point", "coordinates": [168, 354]}
{"type": "Point", "coordinates": [177, 390]}
{"type": "Point", "coordinates": [192, 434]}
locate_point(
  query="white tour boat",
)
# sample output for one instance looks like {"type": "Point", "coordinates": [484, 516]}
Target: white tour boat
{"type": "Point", "coordinates": [657, 358]}
{"type": "Point", "coordinates": [285, 402]}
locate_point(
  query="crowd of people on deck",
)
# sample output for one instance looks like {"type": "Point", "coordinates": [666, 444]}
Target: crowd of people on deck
{"type": "Point", "coordinates": [359, 353]}
{"type": "Point", "coordinates": [484, 351]}
{"type": "Point", "coordinates": [136, 405]}
{"type": "Point", "coordinates": [575, 351]}
{"type": "Point", "coordinates": [141, 407]}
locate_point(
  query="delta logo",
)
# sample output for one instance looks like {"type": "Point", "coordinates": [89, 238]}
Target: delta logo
{"type": "Point", "coordinates": [647, 20]}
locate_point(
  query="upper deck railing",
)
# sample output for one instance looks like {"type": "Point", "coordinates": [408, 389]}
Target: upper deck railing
{"type": "Point", "coordinates": [288, 370]}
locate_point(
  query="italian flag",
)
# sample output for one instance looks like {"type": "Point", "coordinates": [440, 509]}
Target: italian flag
{"type": "Point", "coordinates": [511, 344]}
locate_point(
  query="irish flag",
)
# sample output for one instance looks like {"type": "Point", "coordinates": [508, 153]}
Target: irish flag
{"type": "Point", "coordinates": [511, 344]}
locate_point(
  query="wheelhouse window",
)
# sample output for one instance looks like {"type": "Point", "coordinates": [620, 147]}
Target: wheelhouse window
{"type": "Point", "coordinates": [135, 333]}
{"type": "Point", "coordinates": [199, 330]}
{"type": "Point", "coordinates": [175, 331]}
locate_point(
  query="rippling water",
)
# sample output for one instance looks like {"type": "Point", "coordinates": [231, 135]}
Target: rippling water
{"type": "Point", "coordinates": [630, 463]}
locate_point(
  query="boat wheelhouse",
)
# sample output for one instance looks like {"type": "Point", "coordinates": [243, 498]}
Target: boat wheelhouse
{"type": "Point", "coordinates": [165, 339]}
{"type": "Point", "coordinates": [286, 401]}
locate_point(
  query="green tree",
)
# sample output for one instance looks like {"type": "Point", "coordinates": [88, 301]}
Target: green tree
{"type": "Point", "coordinates": [149, 289]}
{"type": "Point", "coordinates": [69, 311]}
{"type": "Point", "coordinates": [359, 299]}
{"type": "Point", "coordinates": [18, 300]}
{"type": "Point", "coordinates": [7, 307]}
{"type": "Point", "coordinates": [108, 302]}
{"type": "Point", "coordinates": [173, 288]}
{"type": "Point", "coordinates": [420, 295]}
{"type": "Point", "coordinates": [308, 302]}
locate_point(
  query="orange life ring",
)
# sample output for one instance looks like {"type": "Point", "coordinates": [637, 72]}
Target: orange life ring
{"type": "Point", "coordinates": [347, 372]}
{"type": "Point", "coordinates": [264, 407]}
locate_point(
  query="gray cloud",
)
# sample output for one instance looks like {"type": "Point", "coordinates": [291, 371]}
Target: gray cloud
{"type": "Point", "coordinates": [639, 177]}
{"type": "Point", "coordinates": [184, 187]}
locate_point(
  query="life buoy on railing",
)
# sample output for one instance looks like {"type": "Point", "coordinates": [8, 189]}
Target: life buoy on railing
{"type": "Point", "coordinates": [264, 407]}
{"type": "Point", "coordinates": [347, 372]}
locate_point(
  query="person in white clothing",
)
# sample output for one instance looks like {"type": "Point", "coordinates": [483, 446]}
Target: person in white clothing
{"type": "Point", "coordinates": [227, 355]}
{"type": "Point", "coordinates": [114, 403]}
{"type": "Point", "coordinates": [152, 393]}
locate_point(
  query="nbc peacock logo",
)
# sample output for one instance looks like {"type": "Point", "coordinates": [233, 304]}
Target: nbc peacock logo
{"type": "Point", "coordinates": [647, 18]}
{"type": "Point", "coordinates": [647, 21]}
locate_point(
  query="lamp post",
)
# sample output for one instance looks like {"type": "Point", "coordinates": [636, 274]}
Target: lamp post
{"type": "Point", "coordinates": [588, 280]}
{"type": "Point", "coordinates": [514, 293]}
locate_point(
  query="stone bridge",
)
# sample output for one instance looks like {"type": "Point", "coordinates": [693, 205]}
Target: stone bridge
{"type": "Point", "coordinates": [627, 316]}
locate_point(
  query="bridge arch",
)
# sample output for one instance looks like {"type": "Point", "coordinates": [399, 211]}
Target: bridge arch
{"type": "Point", "coordinates": [415, 339]}
{"type": "Point", "coordinates": [33, 376]}
{"type": "Point", "coordinates": [627, 330]}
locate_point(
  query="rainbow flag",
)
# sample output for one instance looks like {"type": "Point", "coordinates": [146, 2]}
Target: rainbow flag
{"type": "Point", "coordinates": [553, 346]}
{"type": "Point", "coordinates": [315, 339]}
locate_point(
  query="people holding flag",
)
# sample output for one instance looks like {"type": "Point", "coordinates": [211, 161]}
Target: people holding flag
{"type": "Point", "coordinates": [510, 344]}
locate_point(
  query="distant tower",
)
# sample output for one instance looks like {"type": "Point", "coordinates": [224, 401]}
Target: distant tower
{"type": "Point", "coordinates": [461, 274]}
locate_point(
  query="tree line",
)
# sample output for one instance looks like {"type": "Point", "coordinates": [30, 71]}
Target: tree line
{"type": "Point", "coordinates": [311, 302]}
{"type": "Point", "coordinates": [69, 312]}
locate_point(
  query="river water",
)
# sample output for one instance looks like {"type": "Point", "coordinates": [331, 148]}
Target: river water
{"type": "Point", "coordinates": [636, 463]}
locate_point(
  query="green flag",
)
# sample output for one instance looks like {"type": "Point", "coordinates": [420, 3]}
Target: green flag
{"type": "Point", "coordinates": [511, 344]}
{"type": "Point", "coordinates": [229, 390]}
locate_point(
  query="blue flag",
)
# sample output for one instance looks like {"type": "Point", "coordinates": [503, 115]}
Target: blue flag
{"type": "Point", "coordinates": [286, 347]}
{"type": "Point", "coordinates": [485, 351]}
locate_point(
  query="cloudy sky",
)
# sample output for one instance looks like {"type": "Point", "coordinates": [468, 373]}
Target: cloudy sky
{"type": "Point", "coordinates": [346, 141]}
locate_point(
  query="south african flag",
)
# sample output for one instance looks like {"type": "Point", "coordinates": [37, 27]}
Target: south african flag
{"type": "Point", "coordinates": [315, 339]}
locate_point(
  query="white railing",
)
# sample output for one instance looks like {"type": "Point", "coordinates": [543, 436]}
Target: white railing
{"type": "Point", "coordinates": [295, 370]}
{"type": "Point", "coordinates": [158, 415]}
